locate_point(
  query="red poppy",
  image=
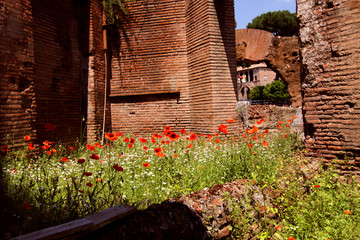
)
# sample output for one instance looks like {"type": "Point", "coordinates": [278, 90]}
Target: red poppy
{"type": "Point", "coordinates": [142, 140]}
{"type": "Point", "coordinates": [250, 145]}
{"type": "Point", "coordinates": [53, 150]}
{"type": "Point", "coordinates": [192, 136]}
{"type": "Point", "coordinates": [278, 227]}
{"type": "Point", "coordinates": [347, 212]}
{"type": "Point", "coordinates": [132, 140]}
{"type": "Point", "coordinates": [126, 140]}
{"type": "Point", "coordinates": [89, 184]}
{"type": "Point", "coordinates": [223, 128]}
{"type": "Point", "coordinates": [259, 122]}
{"type": "Point", "coordinates": [217, 140]}
{"type": "Point", "coordinates": [87, 174]}
{"type": "Point", "coordinates": [99, 179]}
{"type": "Point", "coordinates": [27, 206]}
{"type": "Point", "coordinates": [183, 131]}
{"type": "Point", "coordinates": [145, 148]}
{"type": "Point", "coordinates": [280, 122]}
{"type": "Point", "coordinates": [31, 146]}
{"type": "Point", "coordinates": [265, 144]}
{"type": "Point", "coordinates": [27, 138]}
{"type": "Point", "coordinates": [111, 136]}
{"type": "Point", "coordinates": [209, 137]}
{"type": "Point", "coordinates": [49, 127]}
{"type": "Point", "coordinates": [119, 134]}
{"type": "Point", "coordinates": [130, 146]}
{"type": "Point", "coordinates": [285, 135]}
{"type": "Point", "coordinates": [45, 147]}
{"type": "Point", "coordinates": [49, 153]}
{"type": "Point", "coordinates": [157, 150]}
{"type": "Point", "coordinates": [230, 120]}
{"type": "Point", "coordinates": [293, 117]}
{"type": "Point", "coordinates": [189, 146]}
{"type": "Point", "coordinates": [173, 136]}
{"type": "Point", "coordinates": [167, 142]}
{"type": "Point", "coordinates": [89, 147]}
{"type": "Point", "coordinates": [118, 168]}
{"type": "Point", "coordinates": [146, 165]}
{"type": "Point", "coordinates": [65, 159]}
{"type": "Point", "coordinates": [316, 186]}
{"type": "Point", "coordinates": [81, 160]}
{"type": "Point", "coordinates": [291, 238]}
{"type": "Point", "coordinates": [278, 126]}
{"type": "Point", "coordinates": [4, 150]}
{"type": "Point", "coordinates": [249, 131]}
{"type": "Point", "coordinates": [167, 128]}
{"type": "Point", "coordinates": [71, 148]}
{"type": "Point", "coordinates": [266, 131]}
{"type": "Point", "coordinates": [98, 145]}
{"type": "Point", "coordinates": [94, 156]}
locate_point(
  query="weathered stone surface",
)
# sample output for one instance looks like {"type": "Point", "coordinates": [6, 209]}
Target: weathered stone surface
{"type": "Point", "coordinates": [283, 57]}
{"type": "Point", "coordinates": [330, 40]}
{"type": "Point", "coordinates": [252, 44]}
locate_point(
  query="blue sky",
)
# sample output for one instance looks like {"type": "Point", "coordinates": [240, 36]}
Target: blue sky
{"type": "Point", "coordinates": [247, 10]}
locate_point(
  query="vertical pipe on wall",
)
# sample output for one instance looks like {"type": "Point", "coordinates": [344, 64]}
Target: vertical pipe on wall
{"type": "Point", "coordinates": [106, 73]}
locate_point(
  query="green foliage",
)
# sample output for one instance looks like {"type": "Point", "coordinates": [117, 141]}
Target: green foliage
{"type": "Point", "coordinates": [52, 186]}
{"type": "Point", "coordinates": [114, 9]}
{"type": "Point", "coordinates": [280, 23]}
{"type": "Point", "coordinates": [256, 93]}
{"type": "Point", "coordinates": [276, 91]}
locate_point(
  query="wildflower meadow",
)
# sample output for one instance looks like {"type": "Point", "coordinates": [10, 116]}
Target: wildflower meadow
{"type": "Point", "coordinates": [53, 183]}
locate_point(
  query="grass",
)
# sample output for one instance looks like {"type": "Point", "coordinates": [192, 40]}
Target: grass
{"type": "Point", "coordinates": [61, 183]}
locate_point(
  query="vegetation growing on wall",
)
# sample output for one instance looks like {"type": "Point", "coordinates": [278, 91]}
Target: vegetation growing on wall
{"type": "Point", "coordinates": [114, 9]}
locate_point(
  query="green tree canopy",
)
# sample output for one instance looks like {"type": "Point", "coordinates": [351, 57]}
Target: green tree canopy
{"type": "Point", "coordinates": [275, 91]}
{"type": "Point", "coordinates": [280, 23]}
{"type": "Point", "coordinates": [256, 93]}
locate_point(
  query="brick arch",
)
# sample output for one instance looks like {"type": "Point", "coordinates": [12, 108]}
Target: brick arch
{"type": "Point", "coordinates": [280, 54]}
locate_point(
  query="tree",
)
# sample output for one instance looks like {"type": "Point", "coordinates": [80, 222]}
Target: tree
{"type": "Point", "coordinates": [256, 93]}
{"type": "Point", "coordinates": [276, 91]}
{"type": "Point", "coordinates": [280, 23]}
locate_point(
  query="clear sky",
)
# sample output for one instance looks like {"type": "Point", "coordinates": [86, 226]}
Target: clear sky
{"type": "Point", "coordinates": [247, 10]}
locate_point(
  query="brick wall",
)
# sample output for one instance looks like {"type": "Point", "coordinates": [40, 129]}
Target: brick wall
{"type": "Point", "coordinates": [330, 40]}
{"type": "Point", "coordinates": [16, 71]}
{"type": "Point", "coordinates": [57, 64]}
{"type": "Point", "coordinates": [41, 68]}
{"type": "Point", "coordinates": [96, 77]}
{"type": "Point", "coordinates": [149, 85]}
{"type": "Point", "coordinates": [173, 65]}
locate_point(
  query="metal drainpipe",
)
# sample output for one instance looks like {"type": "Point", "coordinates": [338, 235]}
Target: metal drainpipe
{"type": "Point", "coordinates": [106, 73]}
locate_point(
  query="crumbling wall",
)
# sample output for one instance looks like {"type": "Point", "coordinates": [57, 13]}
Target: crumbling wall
{"type": "Point", "coordinates": [330, 40]}
{"type": "Point", "coordinates": [280, 53]}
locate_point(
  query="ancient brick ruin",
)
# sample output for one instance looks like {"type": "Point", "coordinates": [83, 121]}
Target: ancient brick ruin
{"type": "Point", "coordinates": [171, 63]}
{"type": "Point", "coordinates": [330, 52]}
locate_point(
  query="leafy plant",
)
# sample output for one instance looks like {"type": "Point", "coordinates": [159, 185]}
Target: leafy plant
{"type": "Point", "coordinates": [280, 23]}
